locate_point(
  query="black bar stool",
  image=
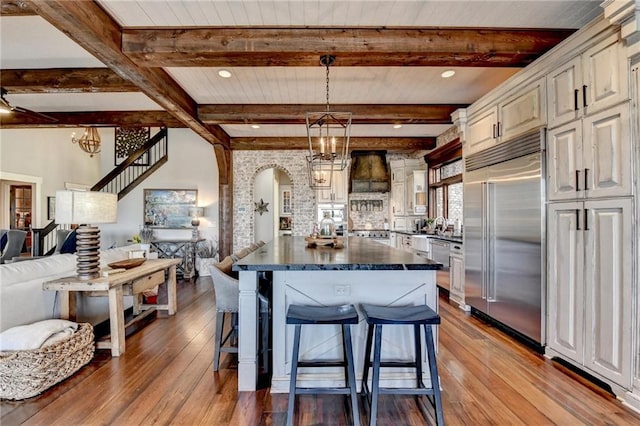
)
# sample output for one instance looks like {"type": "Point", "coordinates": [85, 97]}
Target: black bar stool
{"type": "Point", "coordinates": [341, 315]}
{"type": "Point", "coordinates": [376, 317]}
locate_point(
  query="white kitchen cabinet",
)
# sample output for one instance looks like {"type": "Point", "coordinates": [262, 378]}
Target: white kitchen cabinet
{"type": "Point", "coordinates": [397, 203]}
{"type": "Point", "coordinates": [338, 193]}
{"type": "Point", "coordinates": [399, 223]}
{"type": "Point", "coordinates": [416, 192]}
{"type": "Point", "coordinates": [590, 285]}
{"type": "Point", "coordinates": [481, 130]}
{"type": "Point", "coordinates": [590, 157]}
{"type": "Point", "coordinates": [591, 82]}
{"type": "Point", "coordinates": [456, 274]}
{"type": "Point", "coordinates": [518, 113]}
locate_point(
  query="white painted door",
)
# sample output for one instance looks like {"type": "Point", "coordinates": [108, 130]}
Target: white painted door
{"type": "Point", "coordinates": [608, 280]}
{"type": "Point", "coordinates": [565, 281]}
{"type": "Point", "coordinates": [564, 162]}
{"type": "Point", "coordinates": [607, 153]}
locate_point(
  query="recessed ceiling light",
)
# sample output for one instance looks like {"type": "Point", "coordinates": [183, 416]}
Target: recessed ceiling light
{"type": "Point", "coordinates": [397, 126]}
{"type": "Point", "coordinates": [255, 126]}
{"type": "Point", "coordinates": [224, 73]}
{"type": "Point", "coordinates": [448, 73]}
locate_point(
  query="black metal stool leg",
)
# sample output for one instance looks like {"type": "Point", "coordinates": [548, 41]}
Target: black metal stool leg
{"type": "Point", "coordinates": [367, 363]}
{"type": "Point", "coordinates": [433, 370]}
{"type": "Point", "coordinates": [294, 374]}
{"type": "Point", "coordinates": [219, 331]}
{"type": "Point", "coordinates": [418, 339]}
{"type": "Point", "coordinates": [351, 374]}
{"type": "Point", "coordinates": [376, 375]}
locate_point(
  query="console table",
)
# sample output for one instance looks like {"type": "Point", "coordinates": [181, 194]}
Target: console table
{"type": "Point", "coordinates": [183, 249]}
{"type": "Point", "coordinates": [128, 283]}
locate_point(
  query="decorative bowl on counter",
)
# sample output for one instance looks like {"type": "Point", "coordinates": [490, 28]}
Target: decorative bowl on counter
{"type": "Point", "coordinates": [324, 242]}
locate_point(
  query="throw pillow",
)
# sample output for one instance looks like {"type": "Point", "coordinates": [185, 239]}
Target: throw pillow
{"type": "Point", "coordinates": [3, 242]}
{"type": "Point", "coordinates": [69, 244]}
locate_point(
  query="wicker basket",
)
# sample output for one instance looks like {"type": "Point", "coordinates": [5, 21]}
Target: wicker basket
{"type": "Point", "coordinates": [24, 374]}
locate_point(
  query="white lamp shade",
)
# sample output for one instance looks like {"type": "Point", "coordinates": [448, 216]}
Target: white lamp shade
{"type": "Point", "coordinates": [196, 211]}
{"type": "Point", "coordinates": [86, 207]}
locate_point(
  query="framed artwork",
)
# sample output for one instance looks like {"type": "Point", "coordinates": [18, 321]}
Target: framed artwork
{"type": "Point", "coordinates": [51, 208]}
{"type": "Point", "coordinates": [285, 223]}
{"type": "Point", "coordinates": [129, 140]}
{"type": "Point", "coordinates": [169, 208]}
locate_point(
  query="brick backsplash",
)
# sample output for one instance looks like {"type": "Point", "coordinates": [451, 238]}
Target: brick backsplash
{"type": "Point", "coordinates": [246, 166]}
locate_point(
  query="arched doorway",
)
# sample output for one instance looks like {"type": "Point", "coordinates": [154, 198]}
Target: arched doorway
{"type": "Point", "coordinates": [273, 203]}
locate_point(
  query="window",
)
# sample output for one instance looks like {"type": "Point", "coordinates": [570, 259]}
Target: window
{"type": "Point", "coordinates": [445, 181]}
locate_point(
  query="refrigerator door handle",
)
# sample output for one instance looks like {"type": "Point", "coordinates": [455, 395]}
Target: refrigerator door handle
{"type": "Point", "coordinates": [487, 258]}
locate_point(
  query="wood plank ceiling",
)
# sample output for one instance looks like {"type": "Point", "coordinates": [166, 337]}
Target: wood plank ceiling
{"type": "Point", "coordinates": [386, 72]}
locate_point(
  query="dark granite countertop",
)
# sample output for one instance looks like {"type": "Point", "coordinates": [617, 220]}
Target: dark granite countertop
{"type": "Point", "coordinates": [453, 239]}
{"type": "Point", "coordinates": [358, 254]}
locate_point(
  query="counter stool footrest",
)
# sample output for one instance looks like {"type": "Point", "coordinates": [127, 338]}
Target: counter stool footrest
{"type": "Point", "coordinates": [323, 391]}
{"type": "Point", "coordinates": [321, 364]}
{"type": "Point", "coordinates": [405, 391]}
{"type": "Point", "coordinates": [398, 364]}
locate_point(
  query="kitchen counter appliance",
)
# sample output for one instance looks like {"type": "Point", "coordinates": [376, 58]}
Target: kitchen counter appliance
{"type": "Point", "coordinates": [379, 235]}
{"type": "Point", "coordinates": [504, 234]}
{"type": "Point", "coordinates": [440, 253]}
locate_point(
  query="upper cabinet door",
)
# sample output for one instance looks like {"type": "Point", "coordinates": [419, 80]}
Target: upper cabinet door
{"type": "Point", "coordinates": [563, 93]}
{"type": "Point", "coordinates": [523, 111]}
{"type": "Point", "coordinates": [604, 76]}
{"type": "Point", "coordinates": [564, 162]}
{"type": "Point", "coordinates": [607, 153]}
{"type": "Point", "coordinates": [588, 83]}
{"type": "Point", "coordinates": [481, 130]}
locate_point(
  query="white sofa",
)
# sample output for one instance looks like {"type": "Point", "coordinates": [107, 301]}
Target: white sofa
{"type": "Point", "coordinates": [23, 301]}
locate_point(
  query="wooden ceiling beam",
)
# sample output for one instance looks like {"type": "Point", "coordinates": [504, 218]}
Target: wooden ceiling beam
{"type": "Point", "coordinates": [19, 120]}
{"type": "Point", "coordinates": [15, 8]}
{"type": "Point", "coordinates": [86, 23]}
{"type": "Point", "coordinates": [64, 80]}
{"type": "Point", "coordinates": [355, 46]}
{"type": "Point", "coordinates": [355, 143]}
{"type": "Point", "coordinates": [295, 113]}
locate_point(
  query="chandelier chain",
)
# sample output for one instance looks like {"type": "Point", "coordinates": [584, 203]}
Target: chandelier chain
{"type": "Point", "coordinates": [327, 87]}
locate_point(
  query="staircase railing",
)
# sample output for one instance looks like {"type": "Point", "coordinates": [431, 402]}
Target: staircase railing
{"type": "Point", "coordinates": [44, 240]}
{"type": "Point", "coordinates": [121, 180]}
{"type": "Point", "coordinates": [127, 175]}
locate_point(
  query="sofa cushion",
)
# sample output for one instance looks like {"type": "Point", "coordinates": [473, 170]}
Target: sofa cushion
{"type": "Point", "coordinates": [69, 244]}
{"type": "Point", "coordinates": [3, 241]}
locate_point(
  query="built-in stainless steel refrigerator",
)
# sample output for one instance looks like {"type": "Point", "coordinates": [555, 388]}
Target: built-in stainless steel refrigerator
{"type": "Point", "coordinates": [504, 234]}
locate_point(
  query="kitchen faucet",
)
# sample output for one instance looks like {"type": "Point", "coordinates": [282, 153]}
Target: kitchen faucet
{"type": "Point", "coordinates": [440, 224]}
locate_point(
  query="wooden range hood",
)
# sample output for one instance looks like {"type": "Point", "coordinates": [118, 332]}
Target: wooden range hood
{"type": "Point", "coordinates": [369, 172]}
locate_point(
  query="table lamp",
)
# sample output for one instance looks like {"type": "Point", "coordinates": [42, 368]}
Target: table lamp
{"type": "Point", "coordinates": [196, 213]}
{"type": "Point", "coordinates": [86, 208]}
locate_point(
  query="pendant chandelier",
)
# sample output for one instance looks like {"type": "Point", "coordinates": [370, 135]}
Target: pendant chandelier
{"type": "Point", "coordinates": [328, 134]}
{"type": "Point", "coordinates": [89, 142]}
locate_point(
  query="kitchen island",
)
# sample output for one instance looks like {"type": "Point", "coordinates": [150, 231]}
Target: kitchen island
{"type": "Point", "coordinates": [361, 271]}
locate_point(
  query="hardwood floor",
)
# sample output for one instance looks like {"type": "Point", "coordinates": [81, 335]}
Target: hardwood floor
{"type": "Point", "coordinates": [166, 377]}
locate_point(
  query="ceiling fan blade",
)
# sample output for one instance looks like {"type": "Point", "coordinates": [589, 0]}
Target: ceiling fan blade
{"type": "Point", "coordinates": [34, 113]}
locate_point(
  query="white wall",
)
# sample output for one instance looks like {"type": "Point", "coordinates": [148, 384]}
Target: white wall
{"type": "Point", "coordinates": [265, 185]}
{"type": "Point", "coordinates": [50, 155]}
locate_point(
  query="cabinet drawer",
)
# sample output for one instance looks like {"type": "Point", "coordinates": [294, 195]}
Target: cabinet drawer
{"type": "Point", "coordinates": [147, 282]}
